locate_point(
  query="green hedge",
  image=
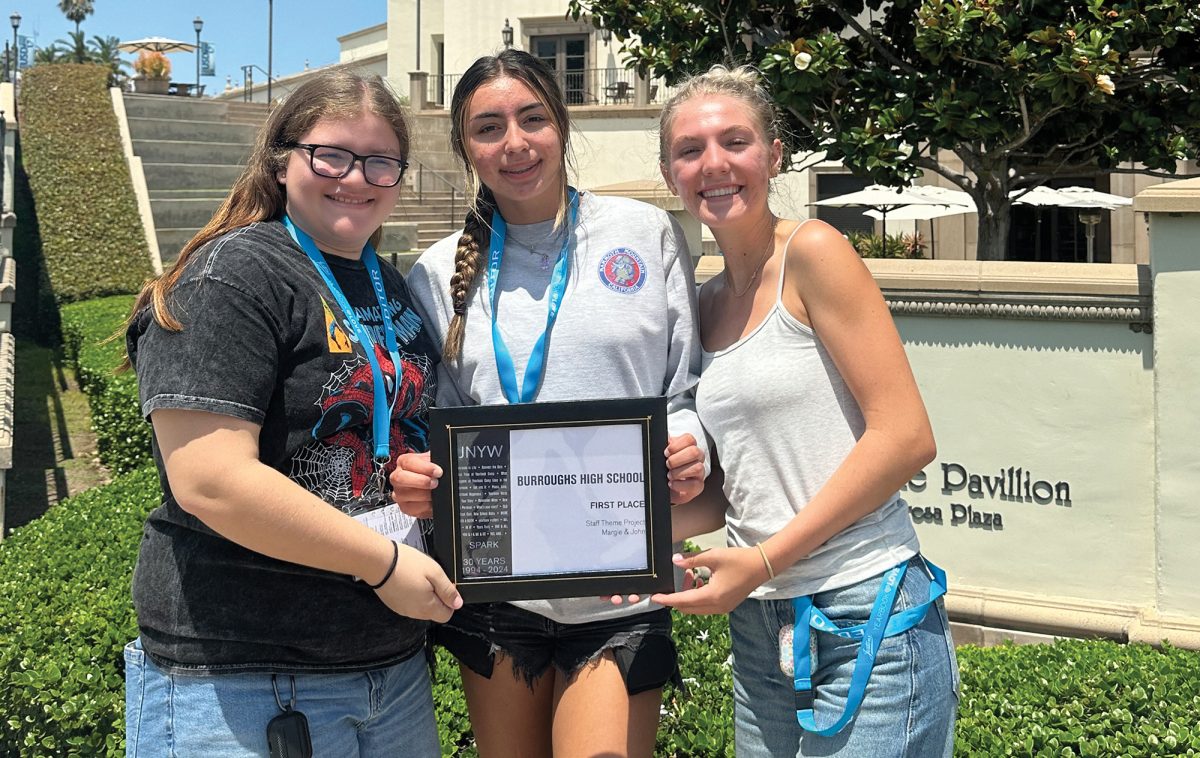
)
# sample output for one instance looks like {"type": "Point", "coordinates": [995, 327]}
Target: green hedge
{"type": "Point", "coordinates": [65, 615]}
{"type": "Point", "coordinates": [870, 245]}
{"type": "Point", "coordinates": [92, 236]}
{"type": "Point", "coordinates": [122, 435]}
{"type": "Point", "coordinates": [34, 314]}
{"type": "Point", "coordinates": [1078, 698]}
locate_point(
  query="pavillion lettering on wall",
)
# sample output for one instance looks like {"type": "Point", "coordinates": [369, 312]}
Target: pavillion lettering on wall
{"type": "Point", "coordinates": [1014, 484]}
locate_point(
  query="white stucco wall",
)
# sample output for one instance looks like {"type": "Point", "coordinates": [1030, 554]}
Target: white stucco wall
{"type": "Point", "coordinates": [1174, 228]}
{"type": "Point", "coordinates": [611, 148]}
{"type": "Point", "coordinates": [364, 43]}
{"type": "Point", "coordinates": [284, 85]}
{"type": "Point", "coordinates": [1065, 402]}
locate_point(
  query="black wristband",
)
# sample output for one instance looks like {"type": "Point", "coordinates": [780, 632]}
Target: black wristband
{"type": "Point", "coordinates": [391, 569]}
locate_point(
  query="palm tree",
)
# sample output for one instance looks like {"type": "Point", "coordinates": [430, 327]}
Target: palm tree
{"type": "Point", "coordinates": [76, 10]}
{"type": "Point", "coordinates": [106, 50]}
{"type": "Point", "coordinates": [51, 53]}
{"type": "Point", "coordinates": [75, 49]}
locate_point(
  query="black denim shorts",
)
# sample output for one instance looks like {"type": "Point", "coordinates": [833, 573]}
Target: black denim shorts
{"type": "Point", "coordinates": [641, 644]}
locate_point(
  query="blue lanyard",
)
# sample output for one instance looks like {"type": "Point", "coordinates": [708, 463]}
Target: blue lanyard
{"type": "Point", "coordinates": [882, 623]}
{"type": "Point", "coordinates": [536, 367]}
{"type": "Point", "coordinates": [381, 411]}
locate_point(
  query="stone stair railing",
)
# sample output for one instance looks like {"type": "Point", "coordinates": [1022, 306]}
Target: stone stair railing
{"type": "Point", "coordinates": [190, 151]}
{"type": "Point", "coordinates": [8, 289]}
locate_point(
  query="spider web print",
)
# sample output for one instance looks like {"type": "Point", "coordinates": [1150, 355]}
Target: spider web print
{"type": "Point", "coordinates": [326, 470]}
{"type": "Point", "coordinates": [339, 378]}
{"type": "Point", "coordinates": [424, 367]}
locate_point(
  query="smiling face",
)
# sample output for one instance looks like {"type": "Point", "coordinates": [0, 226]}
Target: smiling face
{"type": "Point", "coordinates": [515, 150]}
{"type": "Point", "coordinates": [341, 214]}
{"type": "Point", "coordinates": [718, 160]}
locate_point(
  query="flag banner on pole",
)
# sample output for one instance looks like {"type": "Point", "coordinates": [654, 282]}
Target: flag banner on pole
{"type": "Point", "coordinates": [24, 51]}
{"type": "Point", "coordinates": [208, 61]}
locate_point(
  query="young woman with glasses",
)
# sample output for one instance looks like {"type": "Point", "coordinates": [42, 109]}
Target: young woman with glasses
{"type": "Point", "coordinates": [283, 369]}
{"type": "Point", "coordinates": [575, 676]}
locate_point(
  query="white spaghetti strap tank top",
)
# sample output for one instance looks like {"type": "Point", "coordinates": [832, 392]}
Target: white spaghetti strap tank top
{"type": "Point", "coordinates": [783, 421]}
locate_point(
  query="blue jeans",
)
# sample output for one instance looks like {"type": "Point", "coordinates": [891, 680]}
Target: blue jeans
{"type": "Point", "coordinates": [911, 698]}
{"type": "Point", "coordinates": [386, 711]}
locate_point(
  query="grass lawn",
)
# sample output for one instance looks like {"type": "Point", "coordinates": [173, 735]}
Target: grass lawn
{"type": "Point", "coordinates": [55, 454]}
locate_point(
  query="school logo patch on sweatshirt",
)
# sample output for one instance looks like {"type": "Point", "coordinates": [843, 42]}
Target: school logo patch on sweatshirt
{"type": "Point", "coordinates": [623, 270]}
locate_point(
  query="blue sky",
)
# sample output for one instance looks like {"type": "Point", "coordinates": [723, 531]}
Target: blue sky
{"type": "Point", "coordinates": [303, 29]}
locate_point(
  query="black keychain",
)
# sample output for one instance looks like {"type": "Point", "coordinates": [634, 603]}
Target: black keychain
{"type": "Point", "coordinates": [287, 733]}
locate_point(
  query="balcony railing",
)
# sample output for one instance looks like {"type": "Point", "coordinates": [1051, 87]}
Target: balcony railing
{"type": "Point", "coordinates": [589, 86]}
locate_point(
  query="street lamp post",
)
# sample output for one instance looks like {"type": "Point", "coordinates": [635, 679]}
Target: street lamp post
{"type": "Point", "coordinates": [506, 34]}
{"type": "Point", "coordinates": [198, 24]}
{"type": "Point", "coordinates": [270, 31]}
{"type": "Point", "coordinates": [15, 18]}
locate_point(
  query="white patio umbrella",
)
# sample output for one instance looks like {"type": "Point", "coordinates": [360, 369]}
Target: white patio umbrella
{"type": "Point", "coordinates": [157, 45]}
{"type": "Point", "coordinates": [956, 203]}
{"type": "Point", "coordinates": [1078, 198]}
{"type": "Point", "coordinates": [1040, 195]}
{"type": "Point", "coordinates": [944, 195]}
{"type": "Point", "coordinates": [878, 198]}
{"type": "Point", "coordinates": [1086, 197]}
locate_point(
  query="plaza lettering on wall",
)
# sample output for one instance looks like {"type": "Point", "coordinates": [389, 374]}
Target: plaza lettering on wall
{"type": "Point", "coordinates": [975, 495]}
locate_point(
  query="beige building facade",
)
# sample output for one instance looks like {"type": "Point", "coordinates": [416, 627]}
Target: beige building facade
{"type": "Point", "coordinates": [1061, 500]}
{"type": "Point", "coordinates": [365, 49]}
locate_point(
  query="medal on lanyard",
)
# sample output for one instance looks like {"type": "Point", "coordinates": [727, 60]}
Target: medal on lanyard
{"type": "Point", "coordinates": [381, 410]}
{"type": "Point", "coordinates": [536, 367]}
{"type": "Point", "coordinates": [372, 507]}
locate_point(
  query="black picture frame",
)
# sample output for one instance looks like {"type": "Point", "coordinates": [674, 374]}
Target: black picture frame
{"type": "Point", "coordinates": [484, 485]}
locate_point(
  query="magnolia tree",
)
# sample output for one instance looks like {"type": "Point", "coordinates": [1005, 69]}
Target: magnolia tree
{"type": "Point", "coordinates": [1019, 90]}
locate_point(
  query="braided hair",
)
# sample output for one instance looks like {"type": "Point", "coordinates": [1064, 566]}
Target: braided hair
{"type": "Point", "coordinates": [477, 228]}
{"type": "Point", "coordinates": [476, 235]}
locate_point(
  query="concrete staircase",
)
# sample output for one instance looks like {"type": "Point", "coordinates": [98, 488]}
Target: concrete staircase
{"type": "Point", "coordinates": [192, 151]}
{"type": "Point", "coordinates": [435, 213]}
{"type": "Point", "coordinates": [433, 170]}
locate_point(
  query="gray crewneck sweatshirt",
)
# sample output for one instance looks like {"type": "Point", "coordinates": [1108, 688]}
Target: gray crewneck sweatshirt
{"type": "Point", "coordinates": [626, 327]}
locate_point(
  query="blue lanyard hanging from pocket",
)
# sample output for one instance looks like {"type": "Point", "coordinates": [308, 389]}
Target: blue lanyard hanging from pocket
{"type": "Point", "coordinates": [882, 623]}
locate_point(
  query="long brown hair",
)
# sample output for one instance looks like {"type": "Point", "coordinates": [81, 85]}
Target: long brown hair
{"type": "Point", "coordinates": [257, 194]}
{"type": "Point", "coordinates": [530, 71]}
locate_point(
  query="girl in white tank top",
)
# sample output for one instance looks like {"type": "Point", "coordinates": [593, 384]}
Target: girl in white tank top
{"type": "Point", "coordinates": [817, 423]}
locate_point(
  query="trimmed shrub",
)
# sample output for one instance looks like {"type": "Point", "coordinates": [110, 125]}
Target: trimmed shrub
{"type": "Point", "coordinates": [450, 708]}
{"type": "Point", "coordinates": [35, 314]}
{"type": "Point", "coordinates": [122, 435]}
{"type": "Point", "coordinates": [92, 237]}
{"type": "Point", "coordinates": [65, 615]}
{"type": "Point", "coordinates": [1079, 698]}
{"type": "Point", "coordinates": [699, 720]}
{"type": "Point", "coordinates": [893, 246]}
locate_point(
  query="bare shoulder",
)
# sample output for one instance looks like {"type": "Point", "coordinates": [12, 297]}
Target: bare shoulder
{"type": "Point", "coordinates": [818, 252]}
{"type": "Point", "coordinates": [816, 240]}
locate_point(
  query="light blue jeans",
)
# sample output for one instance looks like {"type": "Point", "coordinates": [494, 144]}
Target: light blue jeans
{"type": "Point", "coordinates": [911, 698]}
{"type": "Point", "coordinates": [387, 711]}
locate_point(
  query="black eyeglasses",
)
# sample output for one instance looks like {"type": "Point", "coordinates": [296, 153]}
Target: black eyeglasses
{"type": "Point", "coordinates": [337, 162]}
